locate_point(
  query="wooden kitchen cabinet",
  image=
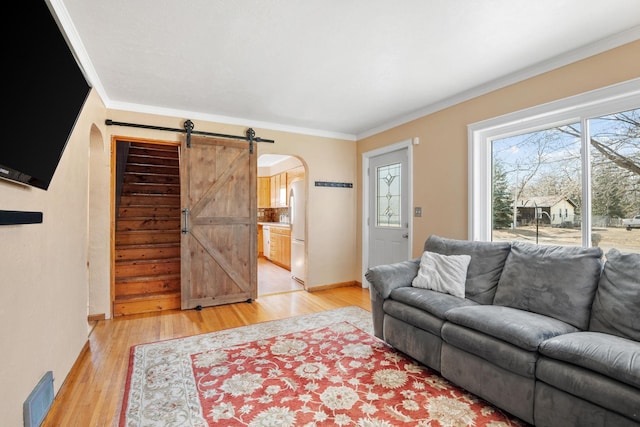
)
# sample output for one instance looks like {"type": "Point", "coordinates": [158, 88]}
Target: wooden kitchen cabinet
{"type": "Point", "coordinates": [278, 190]}
{"type": "Point", "coordinates": [281, 247]}
{"type": "Point", "coordinates": [273, 191]}
{"type": "Point", "coordinates": [264, 192]}
{"type": "Point", "coordinates": [274, 184]}
{"type": "Point", "coordinates": [283, 196]}
{"type": "Point", "coordinates": [260, 241]}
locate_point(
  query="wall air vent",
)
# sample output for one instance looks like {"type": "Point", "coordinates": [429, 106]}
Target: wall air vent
{"type": "Point", "coordinates": [37, 405]}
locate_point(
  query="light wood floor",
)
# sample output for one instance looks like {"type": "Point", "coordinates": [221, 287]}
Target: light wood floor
{"type": "Point", "coordinates": [92, 394]}
{"type": "Point", "coordinates": [273, 279]}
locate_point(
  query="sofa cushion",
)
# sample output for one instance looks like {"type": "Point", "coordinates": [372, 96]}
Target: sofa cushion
{"type": "Point", "coordinates": [442, 273]}
{"type": "Point", "coordinates": [591, 386]}
{"type": "Point", "coordinates": [413, 316]}
{"type": "Point", "coordinates": [609, 355]}
{"type": "Point", "coordinates": [485, 266]}
{"type": "Point", "coordinates": [506, 356]}
{"type": "Point", "coordinates": [432, 302]}
{"type": "Point", "coordinates": [556, 281]}
{"type": "Point", "coordinates": [616, 307]}
{"type": "Point", "coordinates": [517, 327]}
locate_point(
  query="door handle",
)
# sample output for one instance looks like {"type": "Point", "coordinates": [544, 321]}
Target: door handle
{"type": "Point", "coordinates": [405, 236]}
{"type": "Point", "coordinates": [185, 226]}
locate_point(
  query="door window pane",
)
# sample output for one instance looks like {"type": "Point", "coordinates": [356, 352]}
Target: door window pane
{"type": "Point", "coordinates": [388, 192]}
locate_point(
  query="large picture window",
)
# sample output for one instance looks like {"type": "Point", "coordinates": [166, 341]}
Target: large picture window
{"type": "Point", "coordinates": [565, 173]}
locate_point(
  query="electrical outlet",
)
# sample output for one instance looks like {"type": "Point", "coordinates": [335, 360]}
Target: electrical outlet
{"type": "Point", "coordinates": [417, 211]}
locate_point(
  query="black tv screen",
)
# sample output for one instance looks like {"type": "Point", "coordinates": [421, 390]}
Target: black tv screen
{"type": "Point", "coordinates": [46, 91]}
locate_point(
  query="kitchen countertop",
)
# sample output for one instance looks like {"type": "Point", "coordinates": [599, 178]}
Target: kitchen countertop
{"type": "Point", "coordinates": [275, 224]}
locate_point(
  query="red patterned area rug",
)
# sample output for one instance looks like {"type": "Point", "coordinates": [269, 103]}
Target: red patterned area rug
{"type": "Point", "coordinates": [314, 370]}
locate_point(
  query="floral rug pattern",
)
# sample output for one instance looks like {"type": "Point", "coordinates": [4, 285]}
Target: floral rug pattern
{"type": "Point", "coordinates": [314, 370]}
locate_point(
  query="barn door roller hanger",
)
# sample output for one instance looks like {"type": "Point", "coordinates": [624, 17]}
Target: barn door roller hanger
{"type": "Point", "coordinates": [188, 129]}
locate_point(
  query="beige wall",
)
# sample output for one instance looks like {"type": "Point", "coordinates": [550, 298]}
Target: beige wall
{"type": "Point", "coordinates": [43, 273]}
{"type": "Point", "coordinates": [440, 161]}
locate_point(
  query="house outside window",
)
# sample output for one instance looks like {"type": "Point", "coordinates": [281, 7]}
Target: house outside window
{"type": "Point", "coordinates": [579, 157]}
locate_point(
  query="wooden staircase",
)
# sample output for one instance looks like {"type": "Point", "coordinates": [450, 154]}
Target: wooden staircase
{"type": "Point", "coordinates": [147, 242]}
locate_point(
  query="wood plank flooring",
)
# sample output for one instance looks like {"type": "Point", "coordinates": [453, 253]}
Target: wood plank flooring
{"type": "Point", "coordinates": [274, 279]}
{"type": "Point", "coordinates": [93, 391]}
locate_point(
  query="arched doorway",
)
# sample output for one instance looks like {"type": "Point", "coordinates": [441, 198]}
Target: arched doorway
{"type": "Point", "coordinates": [276, 177]}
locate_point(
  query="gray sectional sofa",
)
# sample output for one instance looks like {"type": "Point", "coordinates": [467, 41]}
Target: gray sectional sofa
{"type": "Point", "coordinates": [550, 334]}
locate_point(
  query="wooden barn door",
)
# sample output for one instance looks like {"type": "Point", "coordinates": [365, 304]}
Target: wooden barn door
{"type": "Point", "coordinates": [219, 221]}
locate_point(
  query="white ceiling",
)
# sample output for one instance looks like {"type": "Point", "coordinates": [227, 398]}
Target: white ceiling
{"type": "Point", "coordinates": [338, 68]}
{"type": "Point", "coordinates": [268, 160]}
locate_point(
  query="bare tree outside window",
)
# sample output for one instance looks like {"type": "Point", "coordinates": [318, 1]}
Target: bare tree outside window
{"type": "Point", "coordinates": [542, 174]}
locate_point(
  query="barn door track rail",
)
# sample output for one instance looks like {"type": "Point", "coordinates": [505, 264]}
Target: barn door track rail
{"type": "Point", "coordinates": [188, 129]}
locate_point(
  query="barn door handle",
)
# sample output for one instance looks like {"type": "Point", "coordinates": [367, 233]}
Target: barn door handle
{"type": "Point", "coordinates": [185, 226]}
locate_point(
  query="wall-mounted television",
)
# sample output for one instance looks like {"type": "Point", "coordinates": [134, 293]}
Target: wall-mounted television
{"type": "Point", "coordinates": [44, 92]}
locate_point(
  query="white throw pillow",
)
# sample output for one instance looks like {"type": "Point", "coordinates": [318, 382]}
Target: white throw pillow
{"type": "Point", "coordinates": [442, 273]}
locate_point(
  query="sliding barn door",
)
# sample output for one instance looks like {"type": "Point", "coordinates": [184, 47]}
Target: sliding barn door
{"type": "Point", "coordinates": [219, 221]}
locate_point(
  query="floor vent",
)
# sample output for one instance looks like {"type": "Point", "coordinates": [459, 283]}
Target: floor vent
{"type": "Point", "coordinates": [37, 405]}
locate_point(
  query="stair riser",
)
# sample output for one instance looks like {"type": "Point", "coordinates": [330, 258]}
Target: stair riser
{"type": "Point", "coordinates": [148, 305]}
{"type": "Point", "coordinates": [153, 146]}
{"type": "Point", "coordinates": [146, 269]}
{"type": "Point", "coordinates": [147, 253]}
{"type": "Point", "coordinates": [150, 201]}
{"type": "Point", "coordinates": [162, 170]}
{"type": "Point", "coordinates": [148, 224]}
{"type": "Point", "coordinates": [151, 160]}
{"type": "Point", "coordinates": [156, 152]}
{"type": "Point", "coordinates": [142, 238]}
{"type": "Point", "coordinates": [147, 287]}
{"type": "Point", "coordinates": [151, 179]}
{"type": "Point", "coordinates": [147, 188]}
{"type": "Point", "coordinates": [149, 211]}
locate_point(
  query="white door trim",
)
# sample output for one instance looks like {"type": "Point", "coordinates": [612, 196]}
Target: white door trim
{"type": "Point", "coordinates": [366, 156]}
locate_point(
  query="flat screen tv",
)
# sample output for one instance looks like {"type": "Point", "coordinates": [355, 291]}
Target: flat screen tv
{"type": "Point", "coordinates": [45, 90]}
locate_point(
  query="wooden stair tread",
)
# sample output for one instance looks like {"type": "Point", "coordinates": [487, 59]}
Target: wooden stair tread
{"type": "Point", "coordinates": [159, 195]}
{"type": "Point", "coordinates": [147, 211]}
{"type": "Point", "coordinates": [129, 279]}
{"type": "Point", "coordinates": [154, 165]}
{"type": "Point", "coordinates": [148, 261]}
{"type": "Point", "coordinates": [165, 201]}
{"type": "Point", "coordinates": [152, 184]}
{"type": "Point", "coordinates": [149, 245]}
{"type": "Point", "coordinates": [158, 231]}
{"type": "Point", "coordinates": [144, 154]}
{"type": "Point", "coordinates": [151, 217]}
{"type": "Point", "coordinates": [157, 179]}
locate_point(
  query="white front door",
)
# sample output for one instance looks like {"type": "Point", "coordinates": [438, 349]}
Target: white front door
{"type": "Point", "coordinates": [388, 208]}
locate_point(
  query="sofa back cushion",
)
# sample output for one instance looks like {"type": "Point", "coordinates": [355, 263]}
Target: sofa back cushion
{"type": "Point", "coordinates": [485, 266]}
{"type": "Point", "coordinates": [616, 307]}
{"type": "Point", "coordinates": [556, 281]}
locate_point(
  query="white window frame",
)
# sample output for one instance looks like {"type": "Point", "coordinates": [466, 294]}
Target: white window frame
{"type": "Point", "coordinates": [580, 108]}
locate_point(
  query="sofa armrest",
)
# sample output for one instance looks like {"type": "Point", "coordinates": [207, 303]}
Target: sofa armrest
{"type": "Point", "coordinates": [385, 278]}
